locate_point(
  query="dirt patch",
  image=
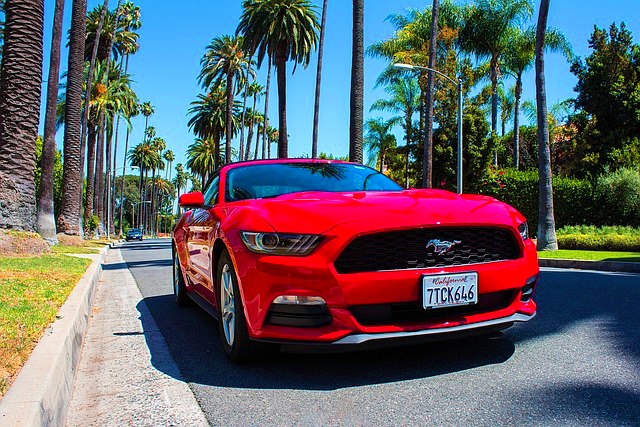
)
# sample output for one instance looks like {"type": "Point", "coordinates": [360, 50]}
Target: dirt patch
{"type": "Point", "coordinates": [21, 243]}
{"type": "Point", "coordinates": [65, 240]}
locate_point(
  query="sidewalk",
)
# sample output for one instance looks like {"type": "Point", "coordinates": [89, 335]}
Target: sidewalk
{"type": "Point", "coordinates": [116, 383]}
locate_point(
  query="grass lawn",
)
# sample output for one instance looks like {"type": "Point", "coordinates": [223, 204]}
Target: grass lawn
{"type": "Point", "coordinates": [32, 289]}
{"type": "Point", "coordinates": [592, 255]}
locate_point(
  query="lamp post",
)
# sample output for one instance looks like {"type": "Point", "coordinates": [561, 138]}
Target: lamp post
{"type": "Point", "coordinates": [458, 84]}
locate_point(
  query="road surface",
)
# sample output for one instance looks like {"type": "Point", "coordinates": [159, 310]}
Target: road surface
{"type": "Point", "coordinates": [576, 363]}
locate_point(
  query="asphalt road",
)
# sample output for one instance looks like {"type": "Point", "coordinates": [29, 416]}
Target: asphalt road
{"type": "Point", "coordinates": [576, 363]}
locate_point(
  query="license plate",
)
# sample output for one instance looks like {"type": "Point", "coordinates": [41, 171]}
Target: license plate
{"type": "Point", "coordinates": [449, 290]}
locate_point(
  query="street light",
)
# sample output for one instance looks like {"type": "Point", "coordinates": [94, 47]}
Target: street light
{"type": "Point", "coordinates": [458, 84]}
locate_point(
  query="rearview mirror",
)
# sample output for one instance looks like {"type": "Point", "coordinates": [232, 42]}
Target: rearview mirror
{"type": "Point", "coordinates": [191, 200]}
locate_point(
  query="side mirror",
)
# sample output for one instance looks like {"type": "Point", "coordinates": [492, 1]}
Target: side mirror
{"type": "Point", "coordinates": [191, 200]}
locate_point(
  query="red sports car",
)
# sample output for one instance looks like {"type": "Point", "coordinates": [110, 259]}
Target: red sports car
{"type": "Point", "coordinates": [333, 255]}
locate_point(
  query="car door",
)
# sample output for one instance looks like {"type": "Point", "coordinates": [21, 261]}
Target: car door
{"type": "Point", "coordinates": [202, 229]}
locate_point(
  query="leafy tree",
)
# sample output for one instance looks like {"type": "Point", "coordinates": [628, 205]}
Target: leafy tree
{"type": "Point", "coordinates": [608, 91]}
{"type": "Point", "coordinates": [282, 30]}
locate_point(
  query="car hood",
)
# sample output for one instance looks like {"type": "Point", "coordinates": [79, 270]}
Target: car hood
{"type": "Point", "coordinates": [318, 212]}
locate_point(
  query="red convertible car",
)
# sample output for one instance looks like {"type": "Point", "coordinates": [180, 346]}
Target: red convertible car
{"type": "Point", "coordinates": [332, 255]}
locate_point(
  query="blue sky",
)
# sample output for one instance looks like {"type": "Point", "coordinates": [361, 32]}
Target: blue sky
{"type": "Point", "coordinates": [174, 35]}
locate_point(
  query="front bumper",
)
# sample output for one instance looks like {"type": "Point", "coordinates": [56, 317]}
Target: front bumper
{"type": "Point", "coordinates": [398, 339]}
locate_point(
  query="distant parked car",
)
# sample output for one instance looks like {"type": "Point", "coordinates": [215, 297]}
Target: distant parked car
{"type": "Point", "coordinates": [134, 234]}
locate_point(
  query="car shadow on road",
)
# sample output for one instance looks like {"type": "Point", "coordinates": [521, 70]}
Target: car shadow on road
{"type": "Point", "coordinates": [192, 337]}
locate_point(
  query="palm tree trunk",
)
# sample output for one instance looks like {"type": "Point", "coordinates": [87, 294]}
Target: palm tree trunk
{"type": "Point", "coordinates": [140, 197]}
{"type": "Point", "coordinates": [244, 111]}
{"type": "Point", "coordinates": [281, 70]}
{"type": "Point", "coordinates": [266, 111]}
{"type": "Point", "coordinates": [229, 119]}
{"type": "Point", "coordinates": [494, 107]}
{"type": "Point", "coordinates": [316, 109]}
{"type": "Point", "coordinates": [356, 115]}
{"type": "Point", "coordinates": [408, 130]}
{"type": "Point", "coordinates": [87, 94]}
{"type": "Point", "coordinates": [216, 143]}
{"type": "Point", "coordinates": [46, 220]}
{"type": "Point", "coordinates": [69, 220]}
{"type": "Point", "coordinates": [91, 162]}
{"type": "Point", "coordinates": [546, 223]}
{"type": "Point", "coordinates": [20, 83]}
{"type": "Point", "coordinates": [516, 124]}
{"type": "Point", "coordinates": [124, 173]}
{"type": "Point", "coordinates": [251, 127]}
{"type": "Point", "coordinates": [98, 196]}
{"type": "Point", "coordinates": [258, 146]}
{"type": "Point", "coordinates": [152, 215]}
{"type": "Point", "coordinates": [107, 178]}
{"type": "Point", "coordinates": [427, 172]}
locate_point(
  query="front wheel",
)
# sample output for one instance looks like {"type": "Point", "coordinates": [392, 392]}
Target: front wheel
{"type": "Point", "coordinates": [179, 287]}
{"type": "Point", "coordinates": [233, 324]}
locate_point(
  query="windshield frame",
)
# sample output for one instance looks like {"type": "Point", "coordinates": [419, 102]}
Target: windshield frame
{"type": "Point", "coordinates": [224, 191]}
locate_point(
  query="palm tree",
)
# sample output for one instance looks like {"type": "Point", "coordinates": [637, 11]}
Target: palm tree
{"type": "Point", "coordinates": [159, 145]}
{"type": "Point", "coordinates": [486, 33]}
{"type": "Point", "coordinates": [201, 158]}
{"type": "Point", "coordinates": [224, 60]}
{"type": "Point", "coordinates": [266, 114]}
{"type": "Point", "coordinates": [117, 34]}
{"type": "Point", "coordinates": [507, 105]}
{"type": "Point", "coordinates": [283, 30]}
{"type": "Point", "coordinates": [169, 157]}
{"type": "Point", "coordinates": [147, 111]}
{"type": "Point", "coordinates": [316, 108]}
{"type": "Point", "coordinates": [69, 219]}
{"type": "Point", "coordinates": [141, 156]}
{"type": "Point", "coordinates": [427, 167]}
{"type": "Point", "coordinates": [46, 221]}
{"type": "Point", "coordinates": [405, 100]}
{"type": "Point", "coordinates": [519, 58]}
{"type": "Point", "coordinates": [130, 114]}
{"type": "Point", "coordinates": [20, 83]}
{"type": "Point", "coordinates": [357, 83]}
{"type": "Point", "coordinates": [378, 140]}
{"type": "Point", "coordinates": [254, 90]}
{"type": "Point", "coordinates": [208, 117]}
{"type": "Point", "coordinates": [180, 181]}
{"type": "Point", "coordinates": [89, 78]}
{"type": "Point", "coordinates": [546, 223]}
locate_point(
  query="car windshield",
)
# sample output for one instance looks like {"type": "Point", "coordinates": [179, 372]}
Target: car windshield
{"type": "Point", "coordinates": [134, 230]}
{"type": "Point", "coordinates": [276, 179]}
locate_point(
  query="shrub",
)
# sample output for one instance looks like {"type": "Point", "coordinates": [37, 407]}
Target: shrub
{"type": "Point", "coordinates": [599, 238]}
{"type": "Point", "coordinates": [618, 194]}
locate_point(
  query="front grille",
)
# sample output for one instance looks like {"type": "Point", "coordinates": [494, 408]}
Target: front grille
{"type": "Point", "coordinates": [375, 314]}
{"type": "Point", "coordinates": [407, 249]}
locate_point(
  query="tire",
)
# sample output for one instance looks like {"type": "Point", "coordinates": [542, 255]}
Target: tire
{"type": "Point", "coordinates": [179, 287]}
{"type": "Point", "coordinates": [232, 323]}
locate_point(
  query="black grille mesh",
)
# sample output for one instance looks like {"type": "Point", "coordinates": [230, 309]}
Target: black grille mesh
{"type": "Point", "coordinates": [407, 249]}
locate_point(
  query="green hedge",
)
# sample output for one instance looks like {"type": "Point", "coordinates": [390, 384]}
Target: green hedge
{"type": "Point", "coordinates": [599, 238]}
{"type": "Point", "coordinates": [573, 198]}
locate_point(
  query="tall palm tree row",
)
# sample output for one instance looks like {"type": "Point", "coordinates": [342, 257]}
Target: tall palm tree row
{"type": "Point", "coordinates": [20, 82]}
{"type": "Point", "coordinates": [281, 30]}
{"type": "Point", "coordinates": [316, 107]}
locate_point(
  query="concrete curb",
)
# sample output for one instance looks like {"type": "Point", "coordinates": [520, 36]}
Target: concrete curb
{"type": "Point", "coordinates": [619, 266]}
{"type": "Point", "coordinates": [41, 393]}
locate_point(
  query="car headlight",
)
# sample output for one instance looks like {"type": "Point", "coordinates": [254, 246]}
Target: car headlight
{"type": "Point", "coordinates": [523, 229]}
{"type": "Point", "coordinates": [280, 244]}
